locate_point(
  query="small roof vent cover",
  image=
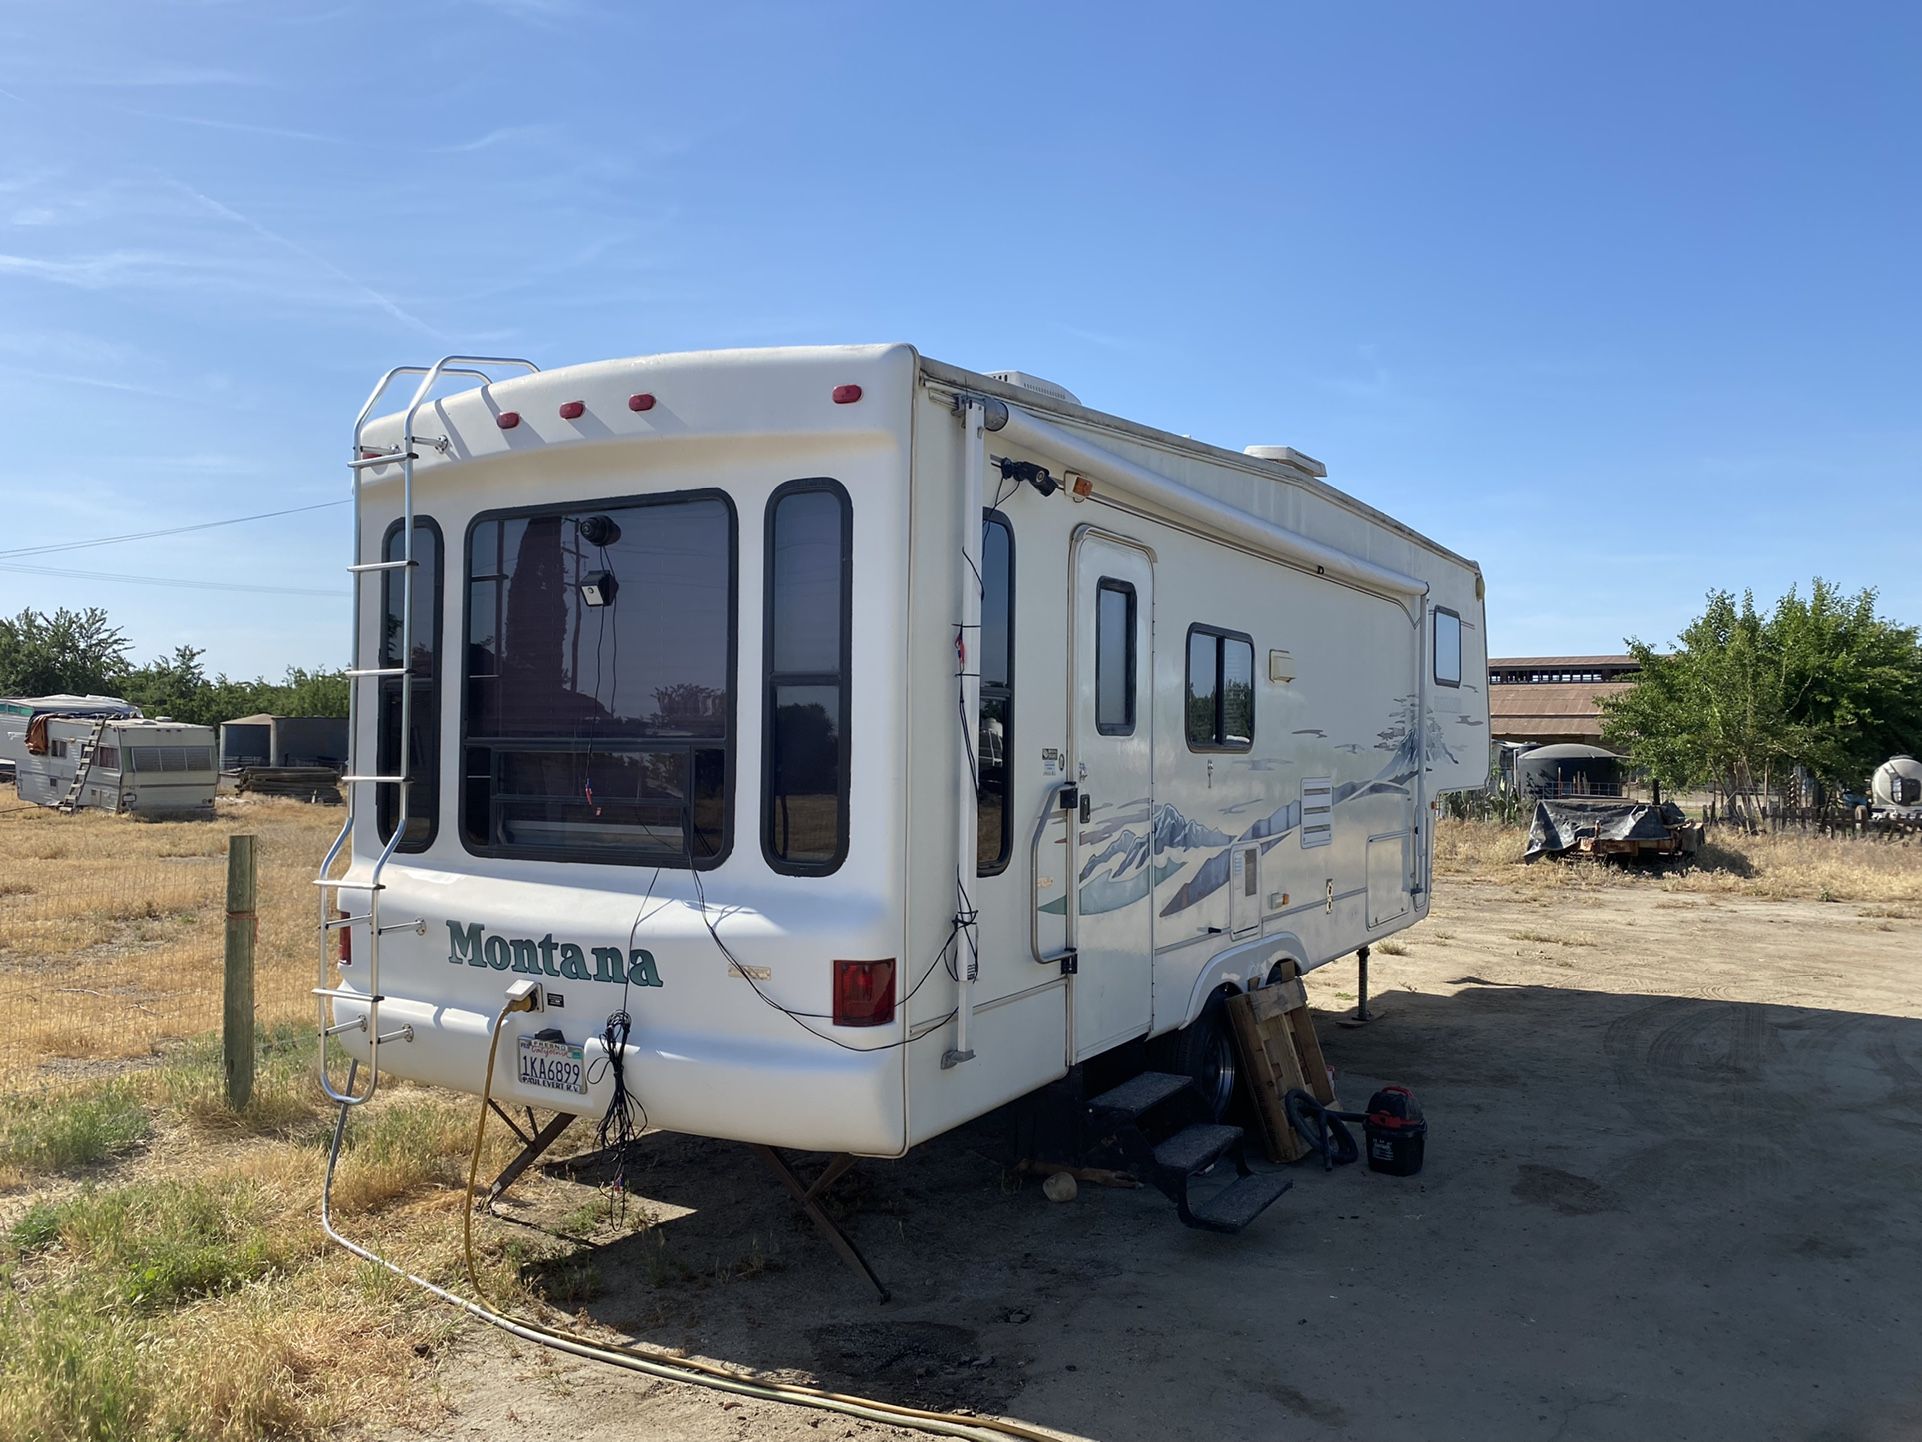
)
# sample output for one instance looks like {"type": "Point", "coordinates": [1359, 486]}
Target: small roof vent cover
{"type": "Point", "coordinates": [1035, 384]}
{"type": "Point", "coordinates": [1288, 456]}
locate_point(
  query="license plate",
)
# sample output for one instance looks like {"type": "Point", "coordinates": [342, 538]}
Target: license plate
{"type": "Point", "coordinates": [552, 1065]}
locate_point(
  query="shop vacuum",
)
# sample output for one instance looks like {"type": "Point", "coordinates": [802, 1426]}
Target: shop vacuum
{"type": "Point", "coordinates": [1393, 1128]}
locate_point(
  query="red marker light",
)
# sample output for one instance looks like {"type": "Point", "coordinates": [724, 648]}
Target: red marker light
{"type": "Point", "coordinates": [507, 420]}
{"type": "Point", "coordinates": [573, 410]}
{"type": "Point", "coordinates": [846, 395]}
{"type": "Point", "coordinates": [864, 993]}
{"type": "Point", "coordinates": [641, 402]}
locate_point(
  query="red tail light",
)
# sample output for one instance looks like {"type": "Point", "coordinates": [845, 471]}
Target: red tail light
{"type": "Point", "coordinates": [641, 402]}
{"type": "Point", "coordinates": [573, 410]}
{"type": "Point", "coordinates": [846, 395]}
{"type": "Point", "coordinates": [507, 420]}
{"type": "Point", "coordinates": [864, 993]}
{"type": "Point", "coordinates": [346, 942]}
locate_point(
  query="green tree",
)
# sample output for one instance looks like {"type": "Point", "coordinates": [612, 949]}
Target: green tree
{"type": "Point", "coordinates": [1744, 697]}
{"type": "Point", "coordinates": [175, 686]}
{"type": "Point", "coordinates": [313, 693]}
{"type": "Point", "coordinates": [68, 651]}
{"type": "Point", "coordinates": [1850, 682]}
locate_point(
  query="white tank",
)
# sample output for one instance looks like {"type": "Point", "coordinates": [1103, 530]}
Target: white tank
{"type": "Point", "coordinates": [1898, 782]}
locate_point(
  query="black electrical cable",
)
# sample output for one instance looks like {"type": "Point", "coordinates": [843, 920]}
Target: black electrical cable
{"type": "Point", "coordinates": [168, 531]}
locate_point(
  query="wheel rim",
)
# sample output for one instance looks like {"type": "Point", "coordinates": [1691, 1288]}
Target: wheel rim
{"type": "Point", "coordinates": [1218, 1074]}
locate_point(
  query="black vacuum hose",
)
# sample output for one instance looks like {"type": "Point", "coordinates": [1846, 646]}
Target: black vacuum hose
{"type": "Point", "coordinates": [1325, 1131]}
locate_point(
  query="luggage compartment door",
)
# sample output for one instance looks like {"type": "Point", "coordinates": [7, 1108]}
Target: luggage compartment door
{"type": "Point", "coordinates": [1387, 878]}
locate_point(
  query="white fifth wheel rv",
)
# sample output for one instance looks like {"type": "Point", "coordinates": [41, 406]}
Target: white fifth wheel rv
{"type": "Point", "coordinates": [887, 739]}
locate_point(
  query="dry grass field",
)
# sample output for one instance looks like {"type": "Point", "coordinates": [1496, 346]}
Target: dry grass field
{"type": "Point", "coordinates": [111, 929]}
{"type": "Point", "coordinates": [1785, 866]}
{"type": "Point", "coordinates": [162, 1268]}
{"type": "Point", "coordinates": [162, 1271]}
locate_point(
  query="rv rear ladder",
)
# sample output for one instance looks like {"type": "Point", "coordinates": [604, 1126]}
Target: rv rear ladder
{"type": "Point", "coordinates": [83, 766]}
{"type": "Point", "coordinates": [400, 776]}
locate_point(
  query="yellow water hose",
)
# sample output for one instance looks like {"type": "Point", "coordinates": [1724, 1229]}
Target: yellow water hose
{"type": "Point", "coordinates": [653, 1362]}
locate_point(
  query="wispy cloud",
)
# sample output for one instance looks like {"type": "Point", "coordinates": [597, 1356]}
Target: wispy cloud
{"type": "Point", "coordinates": [1107, 340]}
{"type": "Point", "coordinates": [63, 348]}
{"type": "Point", "coordinates": [96, 272]}
{"type": "Point", "coordinates": [503, 135]}
{"type": "Point", "coordinates": [238, 127]}
{"type": "Point", "coordinates": [92, 382]}
{"type": "Point", "coordinates": [367, 292]}
{"type": "Point", "coordinates": [545, 13]}
{"type": "Point", "coordinates": [148, 75]}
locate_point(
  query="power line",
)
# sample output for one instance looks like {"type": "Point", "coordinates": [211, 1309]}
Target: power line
{"type": "Point", "coordinates": [182, 582]}
{"type": "Point", "coordinates": [168, 531]}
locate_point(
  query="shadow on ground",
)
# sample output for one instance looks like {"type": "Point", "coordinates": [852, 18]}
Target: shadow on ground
{"type": "Point", "coordinates": [1641, 1216]}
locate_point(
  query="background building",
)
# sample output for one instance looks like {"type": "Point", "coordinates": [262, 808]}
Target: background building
{"type": "Point", "coordinates": [1544, 700]}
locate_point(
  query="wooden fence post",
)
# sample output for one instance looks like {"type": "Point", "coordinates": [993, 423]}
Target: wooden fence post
{"type": "Point", "coordinates": [237, 1031]}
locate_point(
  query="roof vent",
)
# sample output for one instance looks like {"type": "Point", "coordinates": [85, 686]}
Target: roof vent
{"type": "Point", "coordinates": [1035, 384]}
{"type": "Point", "coordinates": [1288, 456]}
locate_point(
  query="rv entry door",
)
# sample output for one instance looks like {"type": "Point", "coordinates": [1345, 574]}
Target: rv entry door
{"type": "Point", "coordinates": [1111, 672]}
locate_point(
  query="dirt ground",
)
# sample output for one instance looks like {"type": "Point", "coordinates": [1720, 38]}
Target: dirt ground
{"type": "Point", "coordinates": [1674, 1189]}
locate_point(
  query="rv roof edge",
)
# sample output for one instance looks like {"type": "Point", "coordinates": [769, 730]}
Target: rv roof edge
{"type": "Point", "coordinates": [1228, 521]}
{"type": "Point", "coordinates": [960, 380]}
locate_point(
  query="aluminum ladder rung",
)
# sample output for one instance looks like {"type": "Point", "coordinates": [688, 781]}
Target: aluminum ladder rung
{"type": "Point", "coordinates": [407, 449]}
{"type": "Point", "coordinates": [359, 1023]}
{"type": "Point", "coordinates": [341, 993]}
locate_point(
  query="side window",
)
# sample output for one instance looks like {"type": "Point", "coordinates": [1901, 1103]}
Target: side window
{"type": "Point", "coordinates": [804, 826]}
{"type": "Point", "coordinates": [423, 719]}
{"type": "Point", "coordinates": [1114, 658]}
{"type": "Point", "coordinates": [1220, 695]}
{"type": "Point", "coordinates": [1448, 648]}
{"type": "Point", "coordinates": [996, 742]}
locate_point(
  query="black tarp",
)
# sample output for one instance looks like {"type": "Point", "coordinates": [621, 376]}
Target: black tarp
{"type": "Point", "coordinates": [1559, 825]}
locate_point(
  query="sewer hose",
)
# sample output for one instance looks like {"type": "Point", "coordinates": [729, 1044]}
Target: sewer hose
{"type": "Point", "coordinates": [649, 1361]}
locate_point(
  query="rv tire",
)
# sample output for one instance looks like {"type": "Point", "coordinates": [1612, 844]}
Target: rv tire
{"type": "Point", "coordinates": [1204, 1051]}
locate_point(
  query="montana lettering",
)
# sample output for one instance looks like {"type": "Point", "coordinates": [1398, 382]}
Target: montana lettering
{"type": "Point", "coordinates": [472, 944]}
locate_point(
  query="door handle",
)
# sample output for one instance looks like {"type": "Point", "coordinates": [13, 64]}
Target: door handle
{"type": "Point", "coordinates": [1087, 807]}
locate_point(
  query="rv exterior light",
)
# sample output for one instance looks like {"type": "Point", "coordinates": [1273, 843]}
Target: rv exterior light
{"type": "Point", "coordinates": [846, 395]}
{"type": "Point", "coordinates": [507, 420]}
{"type": "Point", "coordinates": [573, 410]}
{"type": "Point", "coordinates": [640, 401]}
{"type": "Point", "coordinates": [864, 993]}
{"type": "Point", "coordinates": [598, 588]}
{"type": "Point", "coordinates": [1082, 487]}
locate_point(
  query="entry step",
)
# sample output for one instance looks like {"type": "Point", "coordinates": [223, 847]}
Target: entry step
{"type": "Point", "coordinates": [1139, 1094]}
{"type": "Point", "coordinates": [1194, 1148]}
{"type": "Point", "coordinates": [1239, 1203]}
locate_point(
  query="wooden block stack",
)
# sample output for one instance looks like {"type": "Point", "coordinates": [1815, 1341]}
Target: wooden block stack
{"type": "Point", "coordinates": [1280, 1051]}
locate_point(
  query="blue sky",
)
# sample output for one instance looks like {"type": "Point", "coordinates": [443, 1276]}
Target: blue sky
{"type": "Point", "coordinates": [1620, 300]}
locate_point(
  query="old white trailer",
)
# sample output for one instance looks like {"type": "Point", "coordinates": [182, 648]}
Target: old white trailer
{"type": "Point", "coordinates": [888, 740]}
{"type": "Point", "coordinates": [124, 764]}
